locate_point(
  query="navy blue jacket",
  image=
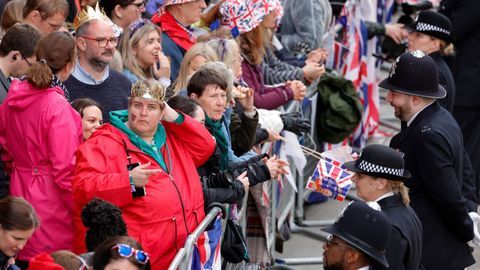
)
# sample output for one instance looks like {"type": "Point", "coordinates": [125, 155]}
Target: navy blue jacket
{"type": "Point", "coordinates": [404, 250]}
{"type": "Point", "coordinates": [175, 53]}
{"type": "Point", "coordinates": [445, 78]}
{"type": "Point", "coordinates": [433, 149]}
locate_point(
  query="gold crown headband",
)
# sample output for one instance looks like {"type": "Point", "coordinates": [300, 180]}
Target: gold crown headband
{"type": "Point", "coordinates": [89, 14]}
{"type": "Point", "coordinates": [143, 90]}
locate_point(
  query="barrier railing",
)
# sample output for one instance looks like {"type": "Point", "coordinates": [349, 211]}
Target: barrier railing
{"type": "Point", "coordinates": [182, 259]}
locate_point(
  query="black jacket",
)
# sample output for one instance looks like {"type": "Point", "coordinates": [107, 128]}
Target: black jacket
{"type": "Point", "coordinates": [242, 131]}
{"type": "Point", "coordinates": [4, 263]}
{"type": "Point", "coordinates": [466, 31]}
{"type": "Point", "coordinates": [232, 192]}
{"type": "Point", "coordinates": [404, 249]}
{"type": "Point", "coordinates": [445, 78]}
{"type": "Point", "coordinates": [433, 149]}
{"type": "Point", "coordinates": [219, 186]}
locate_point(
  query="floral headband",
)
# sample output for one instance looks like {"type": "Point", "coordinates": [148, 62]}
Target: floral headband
{"type": "Point", "coordinates": [137, 25]}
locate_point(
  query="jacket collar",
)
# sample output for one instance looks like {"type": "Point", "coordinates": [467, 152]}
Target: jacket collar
{"type": "Point", "coordinates": [390, 201]}
{"type": "Point", "coordinates": [400, 138]}
{"type": "Point", "coordinates": [118, 119]}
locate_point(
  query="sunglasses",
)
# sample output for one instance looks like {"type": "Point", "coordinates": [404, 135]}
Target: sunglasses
{"type": "Point", "coordinates": [127, 251]}
{"type": "Point", "coordinates": [84, 265]}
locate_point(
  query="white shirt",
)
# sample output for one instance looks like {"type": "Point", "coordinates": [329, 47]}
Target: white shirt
{"type": "Point", "coordinates": [388, 194]}
{"type": "Point", "coordinates": [415, 115]}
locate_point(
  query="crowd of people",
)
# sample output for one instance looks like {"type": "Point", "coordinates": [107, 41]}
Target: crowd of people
{"type": "Point", "coordinates": [123, 121]}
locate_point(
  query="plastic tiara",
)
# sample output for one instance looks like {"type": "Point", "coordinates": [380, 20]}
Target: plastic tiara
{"type": "Point", "coordinates": [141, 89]}
{"type": "Point", "coordinates": [88, 14]}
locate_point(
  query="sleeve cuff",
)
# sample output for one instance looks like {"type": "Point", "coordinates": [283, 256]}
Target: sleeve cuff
{"type": "Point", "coordinates": [251, 114]}
{"type": "Point", "coordinates": [180, 119]}
{"type": "Point", "coordinates": [165, 82]}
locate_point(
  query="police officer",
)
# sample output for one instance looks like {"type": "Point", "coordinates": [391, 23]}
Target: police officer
{"type": "Point", "coordinates": [432, 34]}
{"type": "Point", "coordinates": [432, 143]}
{"type": "Point", "coordinates": [379, 176]}
{"type": "Point", "coordinates": [358, 238]}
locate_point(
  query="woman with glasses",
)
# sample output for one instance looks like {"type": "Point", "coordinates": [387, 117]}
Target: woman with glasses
{"type": "Point", "coordinates": [120, 252]}
{"type": "Point", "coordinates": [18, 221]}
{"type": "Point", "coordinates": [123, 12]}
{"type": "Point", "coordinates": [142, 54]}
{"type": "Point", "coordinates": [39, 133]}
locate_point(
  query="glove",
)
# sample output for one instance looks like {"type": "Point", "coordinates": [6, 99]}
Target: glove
{"type": "Point", "coordinates": [295, 123]}
{"type": "Point", "coordinates": [475, 242]}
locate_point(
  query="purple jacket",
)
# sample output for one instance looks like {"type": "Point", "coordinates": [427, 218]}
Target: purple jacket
{"type": "Point", "coordinates": [264, 97]}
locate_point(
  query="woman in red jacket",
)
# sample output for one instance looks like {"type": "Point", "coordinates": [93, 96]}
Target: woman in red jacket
{"type": "Point", "coordinates": [145, 163]}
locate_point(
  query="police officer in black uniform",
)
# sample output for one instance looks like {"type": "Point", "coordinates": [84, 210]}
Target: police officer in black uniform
{"type": "Point", "coordinates": [432, 143]}
{"type": "Point", "coordinates": [358, 238]}
{"type": "Point", "coordinates": [432, 34]}
{"type": "Point", "coordinates": [379, 176]}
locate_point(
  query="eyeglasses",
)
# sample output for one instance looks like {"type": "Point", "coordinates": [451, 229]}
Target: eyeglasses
{"type": "Point", "coordinates": [138, 5]}
{"type": "Point", "coordinates": [24, 58]}
{"type": "Point", "coordinates": [55, 27]}
{"type": "Point", "coordinates": [330, 242]}
{"type": "Point", "coordinates": [127, 251]}
{"type": "Point", "coordinates": [103, 42]}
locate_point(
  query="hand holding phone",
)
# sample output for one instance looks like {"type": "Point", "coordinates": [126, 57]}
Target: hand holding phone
{"type": "Point", "coordinates": [140, 174]}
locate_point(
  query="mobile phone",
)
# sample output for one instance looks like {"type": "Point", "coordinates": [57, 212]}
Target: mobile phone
{"type": "Point", "coordinates": [139, 192]}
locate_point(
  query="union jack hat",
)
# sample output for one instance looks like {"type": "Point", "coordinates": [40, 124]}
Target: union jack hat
{"type": "Point", "coordinates": [176, 2]}
{"type": "Point", "coordinates": [380, 161]}
{"type": "Point", "coordinates": [246, 15]}
{"type": "Point", "coordinates": [167, 3]}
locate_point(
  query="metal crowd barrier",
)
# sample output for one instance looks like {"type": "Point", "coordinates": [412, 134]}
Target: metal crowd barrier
{"type": "Point", "coordinates": [182, 259]}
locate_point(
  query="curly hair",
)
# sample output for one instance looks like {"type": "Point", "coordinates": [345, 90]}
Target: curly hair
{"type": "Point", "coordinates": [102, 220]}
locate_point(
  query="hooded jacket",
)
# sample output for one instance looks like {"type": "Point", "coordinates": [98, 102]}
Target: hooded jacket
{"type": "Point", "coordinates": [173, 205]}
{"type": "Point", "coordinates": [39, 134]}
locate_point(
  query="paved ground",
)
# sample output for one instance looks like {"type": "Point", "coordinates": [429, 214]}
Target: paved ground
{"type": "Point", "coordinates": [301, 246]}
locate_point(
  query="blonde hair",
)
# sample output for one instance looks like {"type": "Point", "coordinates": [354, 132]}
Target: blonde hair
{"type": "Point", "coordinates": [397, 187]}
{"type": "Point", "coordinates": [446, 48]}
{"type": "Point", "coordinates": [127, 44]}
{"type": "Point", "coordinates": [198, 49]}
{"type": "Point", "coordinates": [224, 49]}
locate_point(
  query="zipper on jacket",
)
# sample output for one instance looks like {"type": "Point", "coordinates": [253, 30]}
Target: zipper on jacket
{"type": "Point", "coordinates": [181, 203]}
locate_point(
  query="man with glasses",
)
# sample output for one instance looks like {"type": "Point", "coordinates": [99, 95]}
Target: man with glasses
{"type": "Point", "coordinates": [46, 15]}
{"type": "Point", "coordinates": [17, 53]}
{"type": "Point", "coordinates": [358, 238]}
{"type": "Point", "coordinates": [91, 77]}
{"type": "Point", "coordinates": [123, 12]}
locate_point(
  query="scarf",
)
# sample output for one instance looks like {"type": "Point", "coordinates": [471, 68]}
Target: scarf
{"type": "Point", "coordinates": [215, 128]}
{"type": "Point", "coordinates": [118, 119]}
{"type": "Point", "coordinates": [58, 83]}
{"type": "Point", "coordinates": [180, 34]}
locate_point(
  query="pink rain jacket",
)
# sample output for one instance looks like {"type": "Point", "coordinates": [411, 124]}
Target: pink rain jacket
{"type": "Point", "coordinates": [39, 134]}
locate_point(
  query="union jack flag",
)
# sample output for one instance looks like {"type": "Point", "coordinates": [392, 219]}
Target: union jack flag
{"type": "Point", "coordinates": [206, 254]}
{"type": "Point", "coordinates": [330, 179]}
